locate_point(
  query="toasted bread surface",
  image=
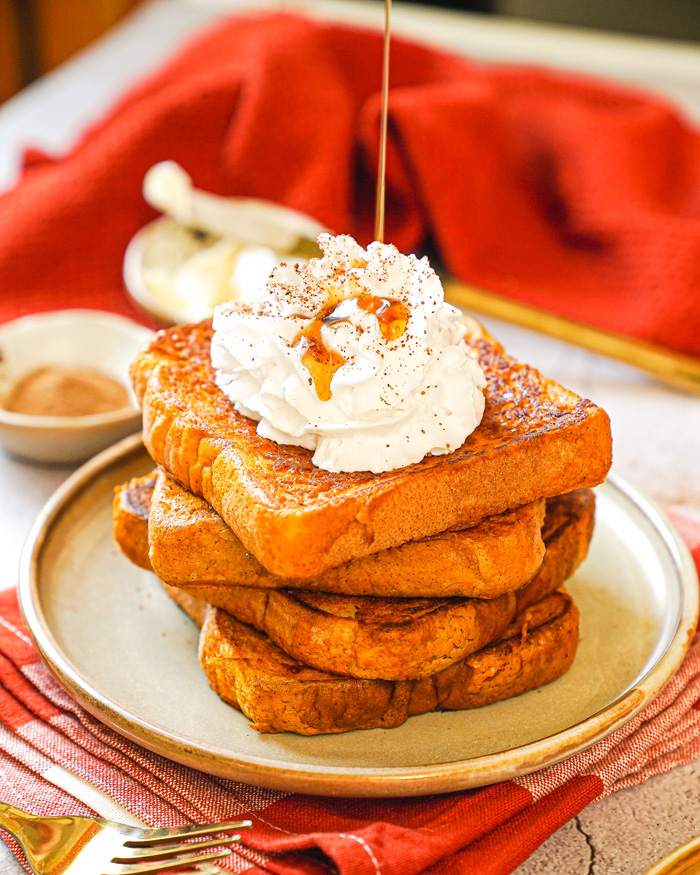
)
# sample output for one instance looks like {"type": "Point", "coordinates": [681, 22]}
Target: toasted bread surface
{"type": "Point", "coordinates": [537, 648]}
{"type": "Point", "coordinates": [191, 544]}
{"type": "Point", "coordinates": [567, 533]}
{"type": "Point", "coordinates": [536, 440]}
{"type": "Point", "coordinates": [397, 639]}
{"type": "Point", "coordinates": [278, 693]}
{"type": "Point", "coordinates": [130, 511]}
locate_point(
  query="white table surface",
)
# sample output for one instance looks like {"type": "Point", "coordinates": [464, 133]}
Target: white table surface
{"type": "Point", "coordinates": [656, 430]}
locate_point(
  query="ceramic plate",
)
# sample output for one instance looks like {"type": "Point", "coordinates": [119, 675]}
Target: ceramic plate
{"type": "Point", "coordinates": [117, 643]}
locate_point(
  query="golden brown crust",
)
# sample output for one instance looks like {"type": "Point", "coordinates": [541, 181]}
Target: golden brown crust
{"type": "Point", "coordinates": [191, 544]}
{"type": "Point", "coordinates": [536, 439]}
{"type": "Point", "coordinates": [279, 694]}
{"type": "Point", "coordinates": [541, 649]}
{"type": "Point", "coordinates": [567, 533]}
{"type": "Point", "coordinates": [130, 509]}
{"type": "Point", "coordinates": [400, 639]}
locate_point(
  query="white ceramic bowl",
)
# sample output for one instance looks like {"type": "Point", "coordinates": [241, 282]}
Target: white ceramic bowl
{"type": "Point", "coordinates": [72, 339]}
{"type": "Point", "coordinates": [166, 245]}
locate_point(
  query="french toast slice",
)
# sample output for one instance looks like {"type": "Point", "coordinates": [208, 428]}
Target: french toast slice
{"type": "Point", "coordinates": [389, 638]}
{"type": "Point", "coordinates": [130, 512]}
{"type": "Point", "coordinates": [191, 544]}
{"type": "Point", "coordinates": [536, 439]}
{"type": "Point", "coordinates": [279, 694]}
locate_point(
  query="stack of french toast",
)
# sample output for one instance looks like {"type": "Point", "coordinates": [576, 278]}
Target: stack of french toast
{"type": "Point", "coordinates": [338, 601]}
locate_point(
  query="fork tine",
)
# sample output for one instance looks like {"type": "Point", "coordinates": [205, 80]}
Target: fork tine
{"type": "Point", "coordinates": [168, 834]}
{"type": "Point", "coordinates": [145, 853]}
{"type": "Point", "coordinates": [171, 863]}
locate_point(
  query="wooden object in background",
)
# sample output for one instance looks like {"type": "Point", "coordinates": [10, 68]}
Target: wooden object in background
{"type": "Point", "coordinates": [11, 72]}
{"type": "Point", "coordinates": [36, 35]}
{"type": "Point", "coordinates": [670, 367]}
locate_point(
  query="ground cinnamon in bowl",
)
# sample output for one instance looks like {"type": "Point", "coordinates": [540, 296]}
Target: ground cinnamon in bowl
{"type": "Point", "coordinates": [53, 391]}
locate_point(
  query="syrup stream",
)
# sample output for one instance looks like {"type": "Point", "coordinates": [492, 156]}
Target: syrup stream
{"type": "Point", "coordinates": [381, 171]}
{"type": "Point", "coordinates": [392, 315]}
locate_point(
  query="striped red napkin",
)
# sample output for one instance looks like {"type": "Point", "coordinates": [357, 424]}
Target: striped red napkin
{"type": "Point", "coordinates": [489, 831]}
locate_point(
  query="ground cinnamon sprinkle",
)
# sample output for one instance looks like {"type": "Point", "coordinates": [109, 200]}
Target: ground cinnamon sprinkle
{"type": "Point", "coordinates": [65, 392]}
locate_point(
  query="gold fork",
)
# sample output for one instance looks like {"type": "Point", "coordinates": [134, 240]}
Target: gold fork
{"type": "Point", "coordinates": [77, 845]}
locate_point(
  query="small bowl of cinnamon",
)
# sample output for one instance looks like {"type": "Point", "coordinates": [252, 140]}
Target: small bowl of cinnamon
{"type": "Point", "coordinates": [64, 384]}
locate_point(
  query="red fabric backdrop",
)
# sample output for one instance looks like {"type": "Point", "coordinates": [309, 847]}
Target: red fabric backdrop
{"type": "Point", "coordinates": [576, 196]}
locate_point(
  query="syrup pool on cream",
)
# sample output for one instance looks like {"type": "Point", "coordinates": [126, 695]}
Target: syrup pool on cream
{"type": "Point", "coordinates": [355, 356]}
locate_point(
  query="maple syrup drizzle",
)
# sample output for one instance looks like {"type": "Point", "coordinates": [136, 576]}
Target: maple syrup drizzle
{"type": "Point", "coordinates": [321, 362]}
{"type": "Point", "coordinates": [379, 208]}
{"type": "Point", "coordinates": [391, 314]}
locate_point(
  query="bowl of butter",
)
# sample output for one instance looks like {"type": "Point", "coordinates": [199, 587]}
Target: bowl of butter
{"type": "Point", "coordinates": [206, 249]}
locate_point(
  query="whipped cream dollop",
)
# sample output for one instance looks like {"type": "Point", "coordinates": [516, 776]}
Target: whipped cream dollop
{"type": "Point", "coordinates": [355, 356]}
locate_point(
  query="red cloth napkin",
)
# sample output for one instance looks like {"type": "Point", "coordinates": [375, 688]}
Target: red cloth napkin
{"type": "Point", "coordinates": [488, 831]}
{"type": "Point", "coordinates": [573, 195]}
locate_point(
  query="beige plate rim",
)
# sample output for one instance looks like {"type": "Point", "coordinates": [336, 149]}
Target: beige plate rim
{"type": "Point", "coordinates": [355, 781]}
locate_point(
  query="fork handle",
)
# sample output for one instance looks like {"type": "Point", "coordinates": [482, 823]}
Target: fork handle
{"type": "Point", "coordinates": [43, 838]}
{"type": "Point", "coordinates": [20, 824]}
{"type": "Point", "coordinates": [13, 819]}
